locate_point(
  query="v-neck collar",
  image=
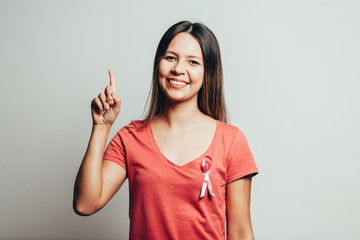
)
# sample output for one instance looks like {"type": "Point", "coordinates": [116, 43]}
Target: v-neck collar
{"type": "Point", "coordinates": [190, 163]}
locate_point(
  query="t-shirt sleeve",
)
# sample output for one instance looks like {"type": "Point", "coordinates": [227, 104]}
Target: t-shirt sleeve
{"type": "Point", "coordinates": [240, 160]}
{"type": "Point", "coordinates": [115, 151]}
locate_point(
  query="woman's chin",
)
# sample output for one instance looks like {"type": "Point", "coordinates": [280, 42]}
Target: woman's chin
{"type": "Point", "coordinates": [180, 98]}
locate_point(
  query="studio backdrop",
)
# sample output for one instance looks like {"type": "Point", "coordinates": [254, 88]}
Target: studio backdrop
{"type": "Point", "coordinates": [291, 72]}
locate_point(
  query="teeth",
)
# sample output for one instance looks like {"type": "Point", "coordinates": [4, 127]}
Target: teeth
{"type": "Point", "coordinates": [176, 82]}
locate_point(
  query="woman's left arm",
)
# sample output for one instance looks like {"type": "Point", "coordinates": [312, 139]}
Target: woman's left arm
{"type": "Point", "coordinates": [238, 209]}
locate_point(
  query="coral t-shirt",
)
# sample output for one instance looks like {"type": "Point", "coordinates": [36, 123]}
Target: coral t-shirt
{"type": "Point", "coordinates": [165, 198]}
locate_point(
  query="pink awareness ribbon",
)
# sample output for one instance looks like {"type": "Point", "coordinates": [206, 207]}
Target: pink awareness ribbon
{"type": "Point", "coordinates": [206, 183]}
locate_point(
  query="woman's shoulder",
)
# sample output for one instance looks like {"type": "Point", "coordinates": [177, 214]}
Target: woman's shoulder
{"type": "Point", "coordinates": [228, 128]}
{"type": "Point", "coordinates": [134, 126]}
{"type": "Point", "coordinates": [231, 132]}
{"type": "Point", "coordinates": [230, 135]}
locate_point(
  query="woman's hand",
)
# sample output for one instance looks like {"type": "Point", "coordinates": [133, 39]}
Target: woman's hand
{"type": "Point", "coordinates": [106, 107]}
{"type": "Point", "coordinates": [97, 180]}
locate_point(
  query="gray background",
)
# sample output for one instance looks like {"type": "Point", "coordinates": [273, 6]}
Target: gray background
{"type": "Point", "coordinates": [291, 82]}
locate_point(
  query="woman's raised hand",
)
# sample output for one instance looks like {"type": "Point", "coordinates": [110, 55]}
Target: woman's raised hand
{"type": "Point", "coordinates": [106, 107]}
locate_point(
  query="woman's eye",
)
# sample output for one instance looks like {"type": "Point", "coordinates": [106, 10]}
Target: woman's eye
{"type": "Point", "coordinates": [192, 62]}
{"type": "Point", "coordinates": [170, 58]}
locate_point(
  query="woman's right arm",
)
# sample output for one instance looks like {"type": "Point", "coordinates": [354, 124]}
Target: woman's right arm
{"type": "Point", "coordinates": [97, 180]}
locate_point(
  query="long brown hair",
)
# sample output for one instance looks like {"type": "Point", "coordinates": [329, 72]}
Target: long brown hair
{"type": "Point", "coordinates": [211, 99]}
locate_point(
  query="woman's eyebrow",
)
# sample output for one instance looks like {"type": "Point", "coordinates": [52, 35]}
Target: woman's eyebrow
{"type": "Point", "coordinates": [188, 56]}
{"type": "Point", "coordinates": [193, 56]}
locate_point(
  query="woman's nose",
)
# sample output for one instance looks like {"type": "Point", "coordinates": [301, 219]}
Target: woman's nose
{"type": "Point", "coordinates": [179, 68]}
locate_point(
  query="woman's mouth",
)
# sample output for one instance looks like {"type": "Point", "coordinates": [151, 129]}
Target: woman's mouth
{"type": "Point", "coordinates": [177, 83]}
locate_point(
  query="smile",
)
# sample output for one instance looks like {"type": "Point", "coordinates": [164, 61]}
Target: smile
{"type": "Point", "coordinates": [177, 82]}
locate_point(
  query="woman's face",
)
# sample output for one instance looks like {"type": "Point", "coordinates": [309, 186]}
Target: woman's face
{"type": "Point", "coordinates": [181, 70]}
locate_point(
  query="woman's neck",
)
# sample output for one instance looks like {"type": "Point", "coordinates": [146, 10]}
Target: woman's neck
{"type": "Point", "coordinates": [181, 115]}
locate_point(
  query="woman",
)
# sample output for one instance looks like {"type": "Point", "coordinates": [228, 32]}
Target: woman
{"type": "Point", "coordinates": [188, 170]}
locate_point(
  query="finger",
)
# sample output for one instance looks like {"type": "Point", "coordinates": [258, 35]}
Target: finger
{"type": "Point", "coordinates": [97, 105]}
{"type": "Point", "coordinates": [116, 98]}
{"type": "Point", "coordinates": [112, 78]}
{"type": "Point", "coordinates": [102, 98]}
{"type": "Point", "coordinates": [109, 90]}
{"type": "Point", "coordinates": [117, 102]}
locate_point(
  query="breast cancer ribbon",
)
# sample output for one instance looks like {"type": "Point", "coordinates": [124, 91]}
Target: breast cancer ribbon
{"type": "Point", "coordinates": [205, 168]}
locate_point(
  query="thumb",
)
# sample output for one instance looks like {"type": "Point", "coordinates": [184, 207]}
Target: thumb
{"type": "Point", "coordinates": [117, 101]}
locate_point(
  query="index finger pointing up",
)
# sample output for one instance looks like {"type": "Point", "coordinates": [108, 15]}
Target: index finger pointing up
{"type": "Point", "coordinates": [112, 78]}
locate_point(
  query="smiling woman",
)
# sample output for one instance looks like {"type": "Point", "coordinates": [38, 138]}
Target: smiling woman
{"type": "Point", "coordinates": [181, 70]}
{"type": "Point", "coordinates": [189, 171]}
{"type": "Point", "coordinates": [210, 96]}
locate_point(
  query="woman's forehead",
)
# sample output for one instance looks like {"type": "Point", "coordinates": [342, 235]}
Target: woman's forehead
{"type": "Point", "coordinates": [185, 44]}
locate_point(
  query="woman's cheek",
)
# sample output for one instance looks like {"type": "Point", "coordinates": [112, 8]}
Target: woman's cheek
{"type": "Point", "coordinates": [198, 77]}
